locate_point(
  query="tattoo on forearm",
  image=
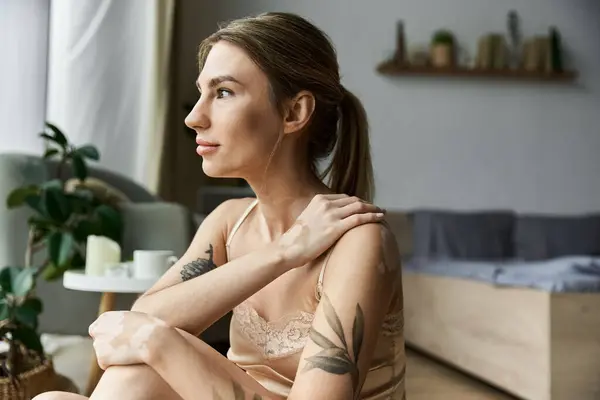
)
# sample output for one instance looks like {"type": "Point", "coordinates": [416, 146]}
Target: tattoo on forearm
{"type": "Point", "coordinates": [336, 359]}
{"type": "Point", "coordinates": [238, 393]}
{"type": "Point", "coordinates": [198, 267]}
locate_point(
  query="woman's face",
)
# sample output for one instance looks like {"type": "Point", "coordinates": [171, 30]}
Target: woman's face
{"type": "Point", "coordinates": [236, 123]}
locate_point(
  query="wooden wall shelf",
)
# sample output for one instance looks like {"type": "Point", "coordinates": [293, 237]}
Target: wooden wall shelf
{"type": "Point", "coordinates": [391, 69]}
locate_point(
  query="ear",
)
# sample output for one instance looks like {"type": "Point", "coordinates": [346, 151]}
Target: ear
{"type": "Point", "coordinates": [299, 110]}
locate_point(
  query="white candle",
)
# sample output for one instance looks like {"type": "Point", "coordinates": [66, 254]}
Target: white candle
{"type": "Point", "coordinates": [100, 252]}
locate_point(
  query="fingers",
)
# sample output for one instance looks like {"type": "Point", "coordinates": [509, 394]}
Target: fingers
{"type": "Point", "coordinates": [356, 207]}
{"type": "Point", "coordinates": [351, 211]}
{"type": "Point", "coordinates": [360, 219]}
{"type": "Point", "coordinates": [334, 196]}
{"type": "Point", "coordinates": [344, 201]}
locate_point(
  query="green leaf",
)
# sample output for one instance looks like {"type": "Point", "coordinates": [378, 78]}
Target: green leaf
{"type": "Point", "coordinates": [80, 201]}
{"type": "Point", "coordinates": [333, 320]}
{"type": "Point", "coordinates": [66, 248]}
{"type": "Point", "coordinates": [60, 247]}
{"type": "Point", "coordinates": [358, 330]}
{"type": "Point", "coordinates": [54, 184]}
{"type": "Point", "coordinates": [79, 167]}
{"type": "Point", "coordinates": [41, 223]}
{"type": "Point", "coordinates": [333, 365]}
{"type": "Point", "coordinates": [22, 283]}
{"type": "Point", "coordinates": [50, 153]}
{"type": "Point", "coordinates": [29, 337]}
{"type": "Point", "coordinates": [35, 202]}
{"type": "Point", "coordinates": [4, 311]}
{"type": "Point", "coordinates": [58, 136]}
{"type": "Point", "coordinates": [55, 204]}
{"type": "Point", "coordinates": [48, 137]}
{"type": "Point", "coordinates": [334, 352]}
{"type": "Point", "coordinates": [28, 312]}
{"type": "Point", "coordinates": [77, 261]}
{"type": "Point", "coordinates": [17, 197]}
{"type": "Point", "coordinates": [89, 151]}
{"type": "Point", "coordinates": [111, 222]}
{"type": "Point", "coordinates": [85, 228]}
{"type": "Point", "coordinates": [7, 276]}
{"type": "Point", "coordinates": [321, 340]}
{"type": "Point", "coordinates": [51, 272]}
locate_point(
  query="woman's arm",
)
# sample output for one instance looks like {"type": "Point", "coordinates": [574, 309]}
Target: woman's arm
{"type": "Point", "coordinates": [360, 279]}
{"type": "Point", "coordinates": [195, 304]}
{"type": "Point", "coordinates": [196, 371]}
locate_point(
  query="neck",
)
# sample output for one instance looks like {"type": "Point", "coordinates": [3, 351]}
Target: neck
{"type": "Point", "coordinates": [282, 197]}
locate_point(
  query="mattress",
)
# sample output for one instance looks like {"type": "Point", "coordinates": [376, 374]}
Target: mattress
{"type": "Point", "coordinates": [564, 274]}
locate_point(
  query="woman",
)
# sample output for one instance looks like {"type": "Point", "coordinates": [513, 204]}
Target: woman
{"type": "Point", "coordinates": [309, 270]}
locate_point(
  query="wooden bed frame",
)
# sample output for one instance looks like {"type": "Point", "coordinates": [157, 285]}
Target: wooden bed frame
{"type": "Point", "coordinates": [536, 345]}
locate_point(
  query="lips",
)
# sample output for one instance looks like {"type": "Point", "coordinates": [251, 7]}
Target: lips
{"type": "Point", "coordinates": [205, 147]}
{"type": "Point", "coordinates": [203, 142]}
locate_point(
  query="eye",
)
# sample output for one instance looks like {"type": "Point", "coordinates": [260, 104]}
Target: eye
{"type": "Point", "coordinates": [224, 93]}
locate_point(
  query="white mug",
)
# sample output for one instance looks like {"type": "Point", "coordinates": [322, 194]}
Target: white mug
{"type": "Point", "coordinates": [152, 264]}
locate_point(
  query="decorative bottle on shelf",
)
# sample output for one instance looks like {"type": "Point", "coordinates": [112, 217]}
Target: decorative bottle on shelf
{"type": "Point", "coordinates": [514, 32]}
{"type": "Point", "coordinates": [400, 53]}
{"type": "Point", "coordinates": [555, 59]}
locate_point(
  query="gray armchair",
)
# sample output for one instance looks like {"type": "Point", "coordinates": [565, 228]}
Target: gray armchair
{"type": "Point", "coordinates": [149, 224]}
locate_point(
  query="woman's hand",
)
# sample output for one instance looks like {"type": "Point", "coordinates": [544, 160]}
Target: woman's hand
{"type": "Point", "coordinates": [125, 337]}
{"type": "Point", "coordinates": [323, 222]}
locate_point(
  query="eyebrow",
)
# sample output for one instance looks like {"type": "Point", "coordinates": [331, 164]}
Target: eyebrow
{"type": "Point", "coordinates": [219, 79]}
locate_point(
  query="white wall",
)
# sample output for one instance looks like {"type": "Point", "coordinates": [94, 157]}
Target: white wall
{"type": "Point", "coordinates": [455, 144]}
{"type": "Point", "coordinates": [23, 60]}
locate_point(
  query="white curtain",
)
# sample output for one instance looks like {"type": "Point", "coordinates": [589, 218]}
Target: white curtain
{"type": "Point", "coordinates": [23, 56]}
{"type": "Point", "coordinates": [108, 79]}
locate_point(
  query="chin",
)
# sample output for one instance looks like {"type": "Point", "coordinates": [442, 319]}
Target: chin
{"type": "Point", "coordinates": [217, 170]}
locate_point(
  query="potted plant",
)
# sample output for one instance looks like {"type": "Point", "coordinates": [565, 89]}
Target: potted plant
{"type": "Point", "coordinates": [443, 49]}
{"type": "Point", "coordinates": [24, 369]}
{"type": "Point", "coordinates": [65, 213]}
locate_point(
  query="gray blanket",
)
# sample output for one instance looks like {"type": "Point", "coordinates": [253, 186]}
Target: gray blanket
{"type": "Point", "coordinates": [565, 274]}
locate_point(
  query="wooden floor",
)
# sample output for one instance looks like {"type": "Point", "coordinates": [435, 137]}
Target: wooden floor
{"type": "Point", "coordinates": [429, 380]}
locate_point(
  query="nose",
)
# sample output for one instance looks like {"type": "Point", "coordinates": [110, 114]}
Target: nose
{"type": "Point", "coordinates": [198, 117]}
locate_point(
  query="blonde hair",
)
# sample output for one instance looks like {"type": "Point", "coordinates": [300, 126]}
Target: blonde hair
{"type": "Point", "coordinates": [296, 55]}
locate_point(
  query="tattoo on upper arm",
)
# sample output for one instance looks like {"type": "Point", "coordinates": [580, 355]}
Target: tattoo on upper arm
{"type": "Point", "coordinates": [335, 359]}
{"type": "Point", "coordinates": [199, 266]}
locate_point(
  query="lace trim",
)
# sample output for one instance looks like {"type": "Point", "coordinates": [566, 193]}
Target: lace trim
{"type": "Point", "coordinates": [279, 338]}
{"type": "Point", "coordinates": [288, 334]}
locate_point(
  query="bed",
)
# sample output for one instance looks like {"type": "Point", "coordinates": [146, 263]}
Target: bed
{"type": "Point", "coordinates": [511, 299]}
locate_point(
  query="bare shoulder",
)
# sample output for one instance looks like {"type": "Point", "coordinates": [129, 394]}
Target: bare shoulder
{"type": "Point", "coordinates": [207, 250]}
{"type": "Point", "coordinates": [228, 212]}
{"type": "Point", "coordinates": [371, 235]}
{"type": "Point", "coordinates": [368, 246]}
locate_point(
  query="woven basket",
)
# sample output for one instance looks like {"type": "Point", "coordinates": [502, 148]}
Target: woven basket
{"type": "Point", "coordinates": [39, 379]}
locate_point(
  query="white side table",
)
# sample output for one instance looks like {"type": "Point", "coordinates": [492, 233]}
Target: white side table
{"type": "Point", "coordinates": [108, 286]}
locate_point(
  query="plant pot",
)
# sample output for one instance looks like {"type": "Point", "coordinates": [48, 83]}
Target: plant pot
{"type": "Point", "coordinates": [442, 55]}
{"type": "Point", "coordinates": [39, 379]}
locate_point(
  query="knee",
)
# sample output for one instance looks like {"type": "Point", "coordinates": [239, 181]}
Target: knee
{"type": "Point", "coordinates": [50, 396]}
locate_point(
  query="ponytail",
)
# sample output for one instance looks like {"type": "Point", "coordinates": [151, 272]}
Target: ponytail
{"type": "Point", "coordinates": [351, 170]}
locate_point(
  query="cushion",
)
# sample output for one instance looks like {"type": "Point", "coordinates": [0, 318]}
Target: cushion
{"type": "Point", "coordinates": [479, 235]}
{"type": "Point", "coordinates": [540, 237]}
